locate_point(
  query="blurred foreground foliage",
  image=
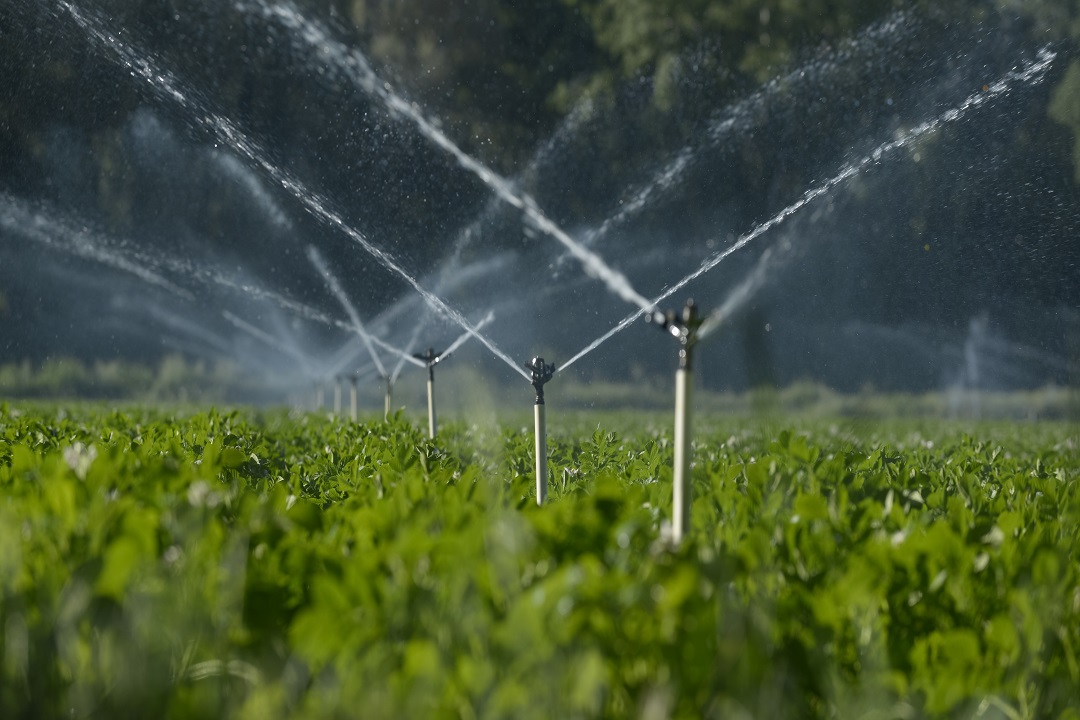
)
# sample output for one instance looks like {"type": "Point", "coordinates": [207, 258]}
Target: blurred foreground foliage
{"type": "Point", "coordinates": [263, 565]}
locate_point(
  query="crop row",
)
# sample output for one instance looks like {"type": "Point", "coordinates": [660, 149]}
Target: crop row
{"type": "Point", "coordinates": [261, 565]}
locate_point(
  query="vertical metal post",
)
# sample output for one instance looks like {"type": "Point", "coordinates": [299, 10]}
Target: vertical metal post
{"type": "Point", "coordinates": [540, 431]}
{"type": "Point", "coordinates": [684, 329]}
{"type": "Point", "coordinates": [337, 396]}
{"type": "Point", "coordinates": [541, 373]}
{"type": "Point", "coordinates": [352, 398]}
{"type": "Point", "coordinates": [318, 396]}
{"type": "Point", "coordinates": [682, 493]}
{"type": "Point", "coordinates": [431, 401]}
{"type": "Point", "coordinates": [386, 406]}
{"type": "Point", "coordinates": [430, 358]}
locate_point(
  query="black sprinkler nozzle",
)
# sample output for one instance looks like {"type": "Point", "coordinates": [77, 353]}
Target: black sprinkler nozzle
{"type": "Point", "coordinates": [431, 358]}
{"type": "Point", "coordinates": [541, 373]}
{"type": "Point", "coordinates": [681, 326]}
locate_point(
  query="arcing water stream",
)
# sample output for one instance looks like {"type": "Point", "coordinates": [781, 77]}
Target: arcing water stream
{"type": "Point", "coordinates": [339, 292]}
{"type": "Point", "coordinates": [142, 66]}
{"type": "Point", "coordinates": [868, 46]}
{"type": "Point", "coordinates": [1029, 73]}
{"type": "Point", "coordinates": [351, 65]}
{"type": "Point", "coordinates": [20, 217]}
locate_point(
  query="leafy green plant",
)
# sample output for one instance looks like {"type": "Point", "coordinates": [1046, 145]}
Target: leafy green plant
{"type": "Point", "coordinates": [257, 564]}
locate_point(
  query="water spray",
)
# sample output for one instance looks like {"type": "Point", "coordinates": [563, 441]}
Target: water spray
{"type": "Point", "coordinates": [431, 358]}
{"type": "Point", "coordinates": [540, 374]}
{"type": "Point", "coordinates": [683, 328]}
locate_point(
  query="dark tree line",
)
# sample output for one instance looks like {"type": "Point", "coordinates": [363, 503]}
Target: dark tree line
{"type": "Point", "coordinates": [645, 79]}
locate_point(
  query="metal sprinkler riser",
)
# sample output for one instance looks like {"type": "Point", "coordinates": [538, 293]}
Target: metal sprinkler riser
{"type": "Point", "coordinates": [541, 373]}
{"type": "Point", "coordinates": [683, 327]}
{"type": "Point", "coordinates": [431, 358]}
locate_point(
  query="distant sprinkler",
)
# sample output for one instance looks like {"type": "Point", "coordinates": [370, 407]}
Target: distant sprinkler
{"type": "Point", "coordinates": [337, 396]}
{"type": "Point", "coordinates": [352, 398]}
{"type": "Point", "coordinates": [684, 328]}
{"type": "Point", "coordinates": [318, 395]}
{"type": "Point", "coordinates": [389, 384]}
{"type": "Point", "coordinates": [541, 374]}
{"type": "Point", "coordinates": [431, 358]}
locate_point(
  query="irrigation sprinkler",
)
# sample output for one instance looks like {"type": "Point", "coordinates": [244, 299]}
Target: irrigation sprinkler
{"type": "Point", "coordinates": [319, 395]}
{"type": "Point", "coordinates": [389, 396]}
{"type": "Point", "coordinates": [337, 396]}
{"type": "Point", "coordinates": [541, 373]}
{"type": "Point", "coordinates": [431, 358]}
{"type": "Point", "coordinates": [683, 328]}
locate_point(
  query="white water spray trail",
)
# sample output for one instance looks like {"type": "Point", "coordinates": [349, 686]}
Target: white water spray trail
{"type": "Point", "coordinates": [357, 68]}
{"type": "Point", "coordinates": [739, 118]}
{"type": "Point", "coordinates": [1030, 73]}
{"type": "Point", "coordinates": [18, 217]}
{"type": "Point", "coordinates": [140, 65]}
{"type": "Point", "coordinates": [738, 297]}
{"type": "Point", "coordinates": [180, 324]}
{"type": "Point", "coordinates": [408, 350]}
{"type": "Point", "coordinates": [567, 129]}
{"type": "Point", "coordinates": [465, 336]}
{"type": "Point", "coordinates": [49, 226]}
{"type": "Point", "coordinates": [402, 354]}
{"type": "Point", "coordinates": [342, 297]}
{"type": "Point", "coordinates": [270, 341]}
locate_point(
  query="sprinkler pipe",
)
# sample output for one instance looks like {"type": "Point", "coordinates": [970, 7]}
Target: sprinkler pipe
{"type": "Point", "coordinates": [683, 327]}
{"type": "Point", "coordinates": [431, 358]}
{"type": "Point", "coordinates": [541, 374]}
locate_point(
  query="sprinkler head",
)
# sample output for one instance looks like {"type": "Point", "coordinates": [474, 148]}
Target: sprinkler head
{"type": "Point", "coordinates": [431, 358]}
{"type": "Point", "coordinates": [681, 326]}
{"type": "Point", "coordinates": [541, 373]}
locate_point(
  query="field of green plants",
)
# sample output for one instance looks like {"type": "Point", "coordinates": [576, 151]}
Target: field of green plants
{"type": "Point", "coordinates": [262, 564]}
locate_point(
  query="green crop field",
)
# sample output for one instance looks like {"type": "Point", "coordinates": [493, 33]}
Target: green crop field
{"type": "Point", "coordinates": [266, 565]}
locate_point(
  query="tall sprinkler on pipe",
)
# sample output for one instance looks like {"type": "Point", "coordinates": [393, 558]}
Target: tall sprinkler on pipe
{"type": "Point", "coordinates": [431, 359]}
{"type": "Point", "coordinates": [352, 398]}
{"type": "Point", "coordinates": [684, 328]}
{"type": "Point", "coordinates": [541, 373]}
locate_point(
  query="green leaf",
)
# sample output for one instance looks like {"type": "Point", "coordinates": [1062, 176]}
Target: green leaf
{"type": "Point", "coordinates": [232, 457]}
{"type": "Point", "coordinates": [121, 558]}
